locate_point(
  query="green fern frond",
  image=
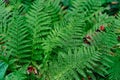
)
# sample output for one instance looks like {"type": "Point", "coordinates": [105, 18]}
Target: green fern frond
{"type": "Point", "coordinates": [39, 25]}
{"type": "Point", "coordinates": [88, 7]}
{"type": "Point", "coordinates": [17, 39]}
{"type": "Point", "coordinates": [77, 64]}
{"type": "Point", "coordinates": [4, 22]}
{"type": "Point", "coordinates": [114, 70]}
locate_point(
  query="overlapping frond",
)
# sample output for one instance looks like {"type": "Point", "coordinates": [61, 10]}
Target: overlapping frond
{"type": "Point", "coordinates": [42, 19]}
{"type": "Point", "coordinates": [78, 64]}
{"type": "Point", "coordinates": [39, 27]}
{"type": "Point", "coordinates": [57, 41]}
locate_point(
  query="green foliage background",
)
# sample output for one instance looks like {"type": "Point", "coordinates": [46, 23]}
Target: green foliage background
{"type": "Point", "coordinates": [60, 39]}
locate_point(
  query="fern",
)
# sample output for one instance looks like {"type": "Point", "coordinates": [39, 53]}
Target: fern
{"type": "Point", "coordinates": [80, 62]}
{"type": "Point", "coordinates": [58, 41]}
{"type": "Point", "coordinates": [4, 20]}
{"type": "Point", "coordinates": [18, 42]}
{"type": "Point", "coordinates": [114, 70]}
{"type": "Point", "coordinates": [39, 27]}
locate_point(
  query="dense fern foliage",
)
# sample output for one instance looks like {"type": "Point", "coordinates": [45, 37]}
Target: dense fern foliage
{"type": "Point", "coordinates": [59, 40]}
